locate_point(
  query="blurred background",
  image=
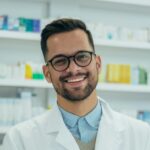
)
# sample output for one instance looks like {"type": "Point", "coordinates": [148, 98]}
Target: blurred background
{"type": "Point", "coordinates": [121, 32]}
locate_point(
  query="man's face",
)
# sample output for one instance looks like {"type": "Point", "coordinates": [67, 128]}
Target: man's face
{"type": "Point", "coordinates": [75, 83]}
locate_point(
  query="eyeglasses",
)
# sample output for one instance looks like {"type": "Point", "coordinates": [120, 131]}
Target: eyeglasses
{"type": "Point", "coordinates": [62, 62]}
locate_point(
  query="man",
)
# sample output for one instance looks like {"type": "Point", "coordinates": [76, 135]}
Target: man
{"type": "Point", "coordinates": [79, 120]}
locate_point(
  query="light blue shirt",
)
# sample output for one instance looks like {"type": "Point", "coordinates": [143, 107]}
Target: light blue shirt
{"type": "Point", "coordinates": [84, 128]}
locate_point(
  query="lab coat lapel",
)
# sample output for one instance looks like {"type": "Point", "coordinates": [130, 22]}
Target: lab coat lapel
{"type": "Point", "coordinates": [108, 137]}
{"type": "Point", "coordinates": [63, 135]}
{"type": "Point", "coordinates": [66, 139]}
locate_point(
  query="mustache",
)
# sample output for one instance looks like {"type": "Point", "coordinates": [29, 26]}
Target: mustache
{"type": "Point", "coordinates": [70, 74]}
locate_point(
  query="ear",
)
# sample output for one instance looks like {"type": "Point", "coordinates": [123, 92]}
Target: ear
{"type": "Point", "coordinates": [46, 73]}
{"type": "Point", "coordinates": [98, 63]}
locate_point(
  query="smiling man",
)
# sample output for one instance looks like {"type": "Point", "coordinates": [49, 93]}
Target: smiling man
{"type": "Point", "coordinates": [80, 120]}
{"type": "Point", "coordinates": [73, 68]}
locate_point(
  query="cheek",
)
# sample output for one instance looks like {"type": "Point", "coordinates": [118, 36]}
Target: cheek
{"type": "Point", "coordinates": [54, 77]}
{"type": "Point", "coordinates": [93, 70]}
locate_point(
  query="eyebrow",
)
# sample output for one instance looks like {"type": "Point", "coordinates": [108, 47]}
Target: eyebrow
{"type": "Point", "coordinates": [57, 55]}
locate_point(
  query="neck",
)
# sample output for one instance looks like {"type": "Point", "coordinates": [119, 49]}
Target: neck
{"type": "Point", "coordinates": [79, 108]}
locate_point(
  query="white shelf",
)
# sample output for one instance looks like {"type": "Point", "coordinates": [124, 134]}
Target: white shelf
{"type": "Point", "coordinates": [122, 5]}
{"type": "Point", "coordinates": [123, 87]}
{"type": "Point", "coordinates": [25, 83]}
{"type": "Point", "coordinates": [101, 86]}
{"type": "Point", "coordinates": [145, 3]}
{"type": "Point", "coordinates": [105, 43]}
{"type": "Point", "coordinates": [19, 35]}
{"type": "Point", "coordinates": [123, 44]}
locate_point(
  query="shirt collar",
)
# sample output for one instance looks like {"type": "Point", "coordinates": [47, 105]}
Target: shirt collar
{"type": "Point", "coordinates": [92, 118]}
{"type": "Point", "coordinates": [69, 118]}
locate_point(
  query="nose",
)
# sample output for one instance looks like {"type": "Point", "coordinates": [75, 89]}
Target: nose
{"type": "Point", "coordinates": [73, 67]}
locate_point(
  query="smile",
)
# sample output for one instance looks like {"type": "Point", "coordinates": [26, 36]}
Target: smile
{"type": "Point", "coordinates": [76, 79]}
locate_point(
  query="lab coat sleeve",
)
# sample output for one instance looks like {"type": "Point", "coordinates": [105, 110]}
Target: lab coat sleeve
{"type": "Point", "coordinates": [12, 142]}
{"type": "Point", "coordinates": [9, 144]}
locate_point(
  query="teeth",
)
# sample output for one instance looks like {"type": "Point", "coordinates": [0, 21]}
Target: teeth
{"type": "Point", "coordinates": [75, 80]}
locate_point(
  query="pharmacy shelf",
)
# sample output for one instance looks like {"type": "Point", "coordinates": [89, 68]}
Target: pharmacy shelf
{"type": "Point", "coordinates": [123, 44]}
{"type": "Point", "coordinates": [19, 35]}
{"type": "Point", "coordinates": [25, 83]}
{"type": "Point", "coordinates": [138, 5]}
{"type": "Point", "coordinates": [123, 88]}
{"type": "Point", "coordinates": [145, 3]}
{"type": "Point", "coordinates": [104, 43]}
{"type": "Point", "coordinates": [101, 86]}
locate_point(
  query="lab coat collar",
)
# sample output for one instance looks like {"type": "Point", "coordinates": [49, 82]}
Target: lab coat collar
{"type": "Point", "coordinates": [54, 120]}
{"type": "Point", "coordinates": [56, 125]}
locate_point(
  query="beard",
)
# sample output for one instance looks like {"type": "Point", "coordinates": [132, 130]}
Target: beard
{"type": "Point", "coordinates": [78, 93]}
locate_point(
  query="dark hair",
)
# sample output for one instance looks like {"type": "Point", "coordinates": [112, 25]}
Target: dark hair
{"type": "Point", "coordinates": [63, 25]}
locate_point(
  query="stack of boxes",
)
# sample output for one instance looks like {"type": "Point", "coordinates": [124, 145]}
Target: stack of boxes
{"type": "Point", "coordinates": [19, 24]}
{"type": "Point", "coordinates": [28, 70]}
{"type": "Point", "coordinates": [117, 73]}
{"type": "Point", "coordinates": [17, 109]}
{"type": "Point", "coordinates": [125, 73]}
{"type": "Point", "coordinates": [102, 31]}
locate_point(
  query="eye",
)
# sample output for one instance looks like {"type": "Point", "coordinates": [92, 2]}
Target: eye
{"type": "Point", "coordinates": [59, 61]}
{"type": "Point", "coordinates": [82, 57]}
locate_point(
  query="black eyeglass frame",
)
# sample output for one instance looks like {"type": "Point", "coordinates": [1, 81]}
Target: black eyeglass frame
{"type": "Point", "coordinates": [69, 59]}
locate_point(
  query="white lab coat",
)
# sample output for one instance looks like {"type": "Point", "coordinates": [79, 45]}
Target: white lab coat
{"type": "Point", "coordinates": [48, 132]}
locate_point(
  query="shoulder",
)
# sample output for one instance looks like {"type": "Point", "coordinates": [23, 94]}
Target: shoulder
{"type": "Point", "coordinates": [31, 126]}
{"type": "Point", "coordinates": [128, 129]}
{"type": "Point", "coordinates": [131, 123]}
{"type": "Point", "coordinates": [133, 129]}
{"type": "Point", "coordinates": [122, 122]}
{"type": "Point", "coordinates": [25, 134]}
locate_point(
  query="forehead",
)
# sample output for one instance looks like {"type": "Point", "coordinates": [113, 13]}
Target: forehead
{"type": "Point", "coordinates": [67, 43]}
